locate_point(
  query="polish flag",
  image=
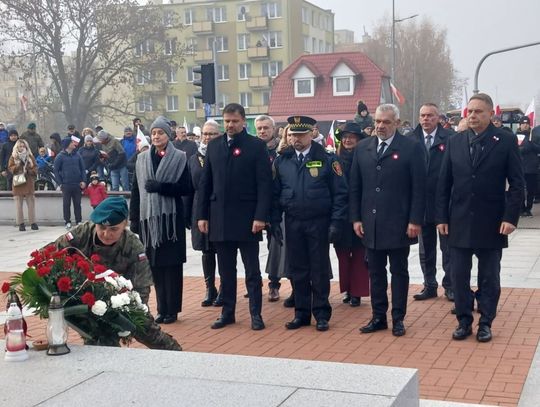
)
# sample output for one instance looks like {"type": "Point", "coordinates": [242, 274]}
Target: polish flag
{"type": "Point", "coordinates": [330, 141]}
{"type": "Point", "coordinates": [185, 125]}
{"type": "Point", "coordinates": [530, 112]}
{"type": "Point", "coordinates": [497, 110]}
{"type": "Point", "coordinates": [398, 96]}
{"type": "Point", "coordinates": [464, 103]}
{"type": "Point", "coordinates": [141, 139]}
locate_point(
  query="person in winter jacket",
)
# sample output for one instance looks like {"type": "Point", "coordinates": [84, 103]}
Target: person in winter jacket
{"type": "Point", "coordinates": [95, 190]}
{"type": "Point", "coordinates": [55, 145]}
{"type": "Point", "coordinates": [43, 158]}
{"type": "Point", "coordinates": [129, 143]}
{"type": "Point", "coordinates": [5, 154]}
{"type": "Point", "coordinates": [362, 117]}
{"type": "Point", "coordinates": [90, 156]}
{"type": "Point", "coordinates": [117, 160]}
{"type": "Point", "coordinates": [33, 139]}
{"type": "Point", "coordinates": [4, 137]}
{"type": "Point", "coordinates": [529, 148]}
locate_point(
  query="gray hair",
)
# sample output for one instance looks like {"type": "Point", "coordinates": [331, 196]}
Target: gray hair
{"type": "Point", "coordinates": [212, 123]}
{"type": "Point", "coordinates": [262, 117]}
{"type": "Point", "coordinates": [388, 107]}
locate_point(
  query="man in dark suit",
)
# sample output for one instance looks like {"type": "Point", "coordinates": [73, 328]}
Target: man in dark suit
{"type": "Point", "coordinates": [235, 198]}
{"type": "Point", "coordinates": [387, 201]}
{"type": "Point", "coordinates": [433, 137]}
{"type": "Point", "coordinates": [477, 212]}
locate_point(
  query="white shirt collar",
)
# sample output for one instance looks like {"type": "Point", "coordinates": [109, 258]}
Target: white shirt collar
{"type": "Point", "coordinates": [304, 152]}
{"type": "Point", "coordinates": [387, 141]}
{"type": "Point", "coordinates": [432, 134]}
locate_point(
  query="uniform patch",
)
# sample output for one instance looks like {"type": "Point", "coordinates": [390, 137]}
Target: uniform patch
{"type": "Point", "coordinates": [336, 167]}
{"type": "Point", "coordinates": [142, 257]}
{"type": "Point", "coordinates": [314, 164]}
{"type": "Point", "coordinates": [69, 236]}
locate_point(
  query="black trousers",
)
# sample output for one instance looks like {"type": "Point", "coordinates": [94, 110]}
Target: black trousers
{"type": "Point", "coordinates": [226, 257]}
{"type": "Point", "coordinates": [399, 269]}
{"type": "Point", "coordinates": [428, 256]}
{"type": "Point", "coordinates": [71, 193]}
{"type": "Point", "coordinates": [531, 181]}
{"type": "Point", "coordinates": [309, 265]}
{"type": "Point", "coordinates": [489, 283]}
{"type": "Point", "coordinates": [168, 282]}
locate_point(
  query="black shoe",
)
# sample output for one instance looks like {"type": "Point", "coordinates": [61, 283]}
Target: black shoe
{"type": "Point", "coordinates": [322, 325]}
{"type": "Point", "coordinates": [376, 324]}
{"type": "Point", "coordinates": [257, 323]}
{"type": "Point", "coordinates": [297, 323]}
{"type": "Point", "coordinates": [462, 332]}
{"type": "Point", "coordinates": [449, 294]}
{"type": "Point", "coordinates": [222, 322]}
{"type": "Point", "coordinates": [346, 298]}
{"type": "Point", "coordinates": [289, 301]}
{"type": "Point", "coordinates": [484, 333]}
{"type": "Point", "coordinates": [159, 319]}
{"type": "Point", "coordinates": [22, 228]}
{"type": "Point", "coordinates": [169, 319]}
{"type": "Point", "coordinates": [273, 294]}
{"type": "Point", "coordinates": [355, 301]}
{"type": "Point", "coordinates": [425, 294]}
{"type": "Point", "coordinates": [398, 329]}
{"type": "Point", "coordinates": [218, 302]}
{"type": "Point", "coordinates": [211, 295]}
{"type": "Point", "coordinates": [34, 226]}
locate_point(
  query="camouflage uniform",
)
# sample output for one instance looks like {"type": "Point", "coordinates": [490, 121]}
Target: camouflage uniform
{"type": "Point", "coordinates": [127, 257]}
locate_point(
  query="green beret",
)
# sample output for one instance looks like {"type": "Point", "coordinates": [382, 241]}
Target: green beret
{"type": "Point", "coordinates": [110, 211]}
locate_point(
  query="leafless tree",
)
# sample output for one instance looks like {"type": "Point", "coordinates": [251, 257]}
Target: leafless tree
{"type": "Point", "coordinates": [86, 47]}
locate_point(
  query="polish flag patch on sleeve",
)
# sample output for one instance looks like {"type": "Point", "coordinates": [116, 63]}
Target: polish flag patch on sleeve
{"type": "Point", "coordinates": [142, 256]}
{"type": "Point", "coordinates": [69, 236]}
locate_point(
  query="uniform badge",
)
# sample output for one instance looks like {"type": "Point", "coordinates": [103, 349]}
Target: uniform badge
{"type": "Point", "coordinates": [442, 147]}
{"type": "Point", "coordinates": [395, 156]}
{"type": "Point", "coordinates": [236, 152]}
{"type": "Point", "coordinates": [142, 257]}
{"type": "Point", "coordinates": [69, 236]}
{"type": "Point", "coordinates": [201, 161]}
{"type": "Point", "coordinates": [336, 167]}
{"type": "Point", "coordinates": [314, 172]}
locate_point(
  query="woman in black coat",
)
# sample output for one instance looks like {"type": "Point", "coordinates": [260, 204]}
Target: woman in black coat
{"type": "Point", "coordinates": [353, 271]}
{"type": "Point", "coordinates": [199, 241]}
{"type": "Point", "coordinates": [156, 214]}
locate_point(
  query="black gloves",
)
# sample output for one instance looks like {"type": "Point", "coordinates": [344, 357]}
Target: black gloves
{"type": "Point", "coordinates": [152, 186]}
{"type": "Point", "coordinates": [334, 232]}
{"type": "Point", "coordinates": [277, 233]}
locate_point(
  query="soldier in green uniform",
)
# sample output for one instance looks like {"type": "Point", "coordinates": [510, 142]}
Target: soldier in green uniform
{"type": "Point", "coordinates": [122, 251]}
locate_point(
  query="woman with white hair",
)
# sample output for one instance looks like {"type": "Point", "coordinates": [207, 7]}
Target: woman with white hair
{"type": "Point", "coordinates": [22, 165]}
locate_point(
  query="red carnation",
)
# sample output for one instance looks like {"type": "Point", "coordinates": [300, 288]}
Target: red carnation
{"type": "Point", "coordinates": [5, 287]}
{"type": "Point", "coordinates": [64, 284]}
{"type": "Point", "coordinates": [99, 268]}
{"type": "Point", "coordinates": [95, 258]}
{"type": "Point", "coordinates": [88, 299]}
{"type": "Point", "coordinates": [84, 266]}
{"type": "Point", "coordinates": [43, 271]}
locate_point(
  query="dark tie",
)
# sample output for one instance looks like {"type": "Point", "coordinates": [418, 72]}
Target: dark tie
{"type": "Point", "coordinates": [428, 141]}
{"type": "Point", "coordinates": [229, 142]}
{"type": "Point", "coordinates": [380, 151]}
{"type": "Point", "coordinates": [300, 158]}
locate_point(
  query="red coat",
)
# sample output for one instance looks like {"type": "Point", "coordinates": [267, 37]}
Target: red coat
{"type": "Point", "coordinates": [96, 193]}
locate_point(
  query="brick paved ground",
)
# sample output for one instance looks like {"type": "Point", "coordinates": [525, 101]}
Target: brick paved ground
{"type": "Point", "coordinates": [467, 371]}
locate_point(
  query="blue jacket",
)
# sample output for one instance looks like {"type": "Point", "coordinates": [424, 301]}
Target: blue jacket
{"type": "Point", "coordinates": [3, 136]}
{"type": "Point", "coordinates": [42, 161]}
{"type": "Point", "coordinates": [69, 168]}
{"type": "Point", "coordinates": [130, 146]}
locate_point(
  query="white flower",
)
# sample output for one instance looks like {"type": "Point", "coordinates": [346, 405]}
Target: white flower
{"type": "Point", "coordinates": [136, 297]}
{"type": "Point", "coordinates": [124, 283]}
{"type": "Point", "coordinates": [112, 282]}
{"type": "Point", "coordinates": [123, 334]}
{"type": "Point", "coordinates": [117, 301]}
{"type": "Point", "coordinates": [144, 307]}
{"type": "Point", "coordinates": [99, 308]}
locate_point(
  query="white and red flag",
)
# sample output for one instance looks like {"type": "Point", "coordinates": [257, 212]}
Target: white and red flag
{"type": "Point", "coordinates": [330, 140]}
{"type": "Point", "coordinates": [530, 112]}
{"type": "Point", "coordinates": [464, 103]}
{"type": "Point", "coordinates": [398, 96]}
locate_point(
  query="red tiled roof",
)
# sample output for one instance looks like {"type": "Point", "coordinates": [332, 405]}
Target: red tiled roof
{"type": "Point", "coordinates": [325, 106]}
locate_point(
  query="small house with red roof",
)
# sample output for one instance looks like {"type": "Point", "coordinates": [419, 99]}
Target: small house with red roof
{"type": "Point", "coordinates": [327, 87]}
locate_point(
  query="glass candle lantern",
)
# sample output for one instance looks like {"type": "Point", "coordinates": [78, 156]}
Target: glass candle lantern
{"type": "Point", "coordinates": [57, 329]}
{"type": "Point", "coordinates": [15, 337]}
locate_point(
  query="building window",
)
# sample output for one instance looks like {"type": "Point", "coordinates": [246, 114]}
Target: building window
{"type": "Point", "coordinates": [343, 86]}
{"type": "Point", "coordinates": [145, 104]}
{"type": "Point", "coordinates": [188, 17]}
{"type": "Point", "coordinates": [272, 68]}
{"type": "Point", "coordinates": [321, 46]}
{"type": "Point", "coordinates": [314, 45]}
{"type": "Point", "coordinates": [266, 98]}
{"type": "Point", "coordinates": [243, 42]}
{"type": "Point", "coordinates": [328, 47]}
{"type": "Point", "coordinates": [168, 18]}
{"type": "Point", "coordinates": [304, 87]}
{"type": "Point", "coordinates": [242, 13]}
{"type": "Point", "coordinates": [191, 76]}
{"type": "Point", "coordinates": [172, 103]}
{"type": "Point", "coordinates": [170, 46]}
{"type": "Point", "coordinates": [306, 43]}
{"type": "Point", "coordinates": [143, 76]}
{"type": "Point", "coordinates": [244, 71]}
{"type": "Point", "coordinates": [223, 72]}
{"type": "Point", "coordinates": [271, 9]}
{"type": "Point", "coordinates": [246, 99]}
{"type": "Point", "coordinates": [223, 100]}
{"type": "Point", "coordinates": [274, 39]}
{"type": "Point", "coordinates": [221, 43]}
{"type": "Point", "coordinates": [305, 15]}
{"type": "Point", "coordinates": [171, 74]}
{"type": "Point", "coordinates": [144, 47]}
{"type": "Point", "coordinates": [191, 104]}
{"type": "Point", "coordinates": [217, 14]}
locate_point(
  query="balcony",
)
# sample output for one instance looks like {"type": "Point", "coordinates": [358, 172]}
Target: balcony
{"type": "Point", "coordinates": [257, 110]}
{"type": "Point", "coordinates": [257, 23]}
{"type": "Point", "coordinates": [203, 56]}
{"type": "Point", "coordinates": [203, 27]}
{"type": "Point", "coordinates": [258, 53]}
{"type": "Point", "coordinates": [259, 82]}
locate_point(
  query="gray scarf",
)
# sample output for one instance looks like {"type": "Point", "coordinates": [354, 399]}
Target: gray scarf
{"type": "Point", "coordinates": [153, 206]}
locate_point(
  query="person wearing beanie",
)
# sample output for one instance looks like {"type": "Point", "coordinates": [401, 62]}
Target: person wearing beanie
{"type": "Point", "coordinates": [129, 142]}
{"type": "Point", "coordinates": [55, 145]}
{"type": "Point", "coordinates": [5, 153]}
{"type": "Point", "coordinates": [362, 117]}
{"type": "Point", "coordinates": [116, 160]}
{"type": "Point", "coordinates": [33, 138]}
{"type": "Point", "coordinates": [157, 215]}
{"type": "Point", "coordinates": [90, 156]}
{"type": "Point", "coordinates": [70, 175]}
{"type": "Point", "coordinates": [120, 250]}
{"type": "Point", "coordinates": [3, 134]}
{"type": "Point", "coordinates": [95, 190]}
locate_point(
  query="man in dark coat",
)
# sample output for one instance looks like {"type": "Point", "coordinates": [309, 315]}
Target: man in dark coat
{"type": "Point", "coordinates": [476, 211]}
{"type": "Point", "coordinates": [310, 188]}
{"type": "Point", "coordinates": [433, 137]}
{"type": "Point", "coordinates": [235, 197]}
{"type": "Point", "coordinates": [529, 148]}
{"type": "Point", "coordinates": [387, 202]}
{"type": "Point", "coordinates": [181, 142]}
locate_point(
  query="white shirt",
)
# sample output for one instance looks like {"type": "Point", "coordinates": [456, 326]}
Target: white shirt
{"type": "Point", "coordinates": [304, 152]}
{"type": "Point", "coordinates": [387, 141]}
{"type": "Point", "coordinates": [432, 134]}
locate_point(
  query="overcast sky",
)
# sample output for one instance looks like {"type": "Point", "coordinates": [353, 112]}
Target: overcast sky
{"type": "Point", "coordinates": [474, 27]}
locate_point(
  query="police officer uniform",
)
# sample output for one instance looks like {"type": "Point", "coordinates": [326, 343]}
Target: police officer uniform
{"type": "Point", "coordinates": [126, 257]}
{"type": "Point", "coordinates": [309, 187]}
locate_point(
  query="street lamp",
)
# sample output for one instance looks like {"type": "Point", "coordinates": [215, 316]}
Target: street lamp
{"type": "Point", "coordinates": [394, 21]}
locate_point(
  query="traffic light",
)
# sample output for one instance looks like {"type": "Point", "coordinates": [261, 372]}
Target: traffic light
{"type": "Point", "coordinates": [207, 83]}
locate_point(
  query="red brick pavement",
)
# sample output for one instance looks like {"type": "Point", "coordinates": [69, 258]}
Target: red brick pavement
{"type": "Point", "coordinates": [467, 371]}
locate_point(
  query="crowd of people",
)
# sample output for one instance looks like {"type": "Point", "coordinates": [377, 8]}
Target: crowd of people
{"type": "Point", "coordinates": [380, 192]}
